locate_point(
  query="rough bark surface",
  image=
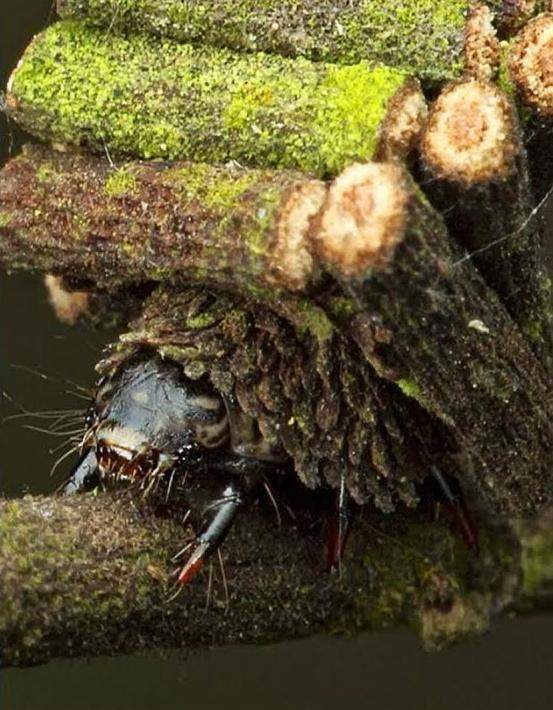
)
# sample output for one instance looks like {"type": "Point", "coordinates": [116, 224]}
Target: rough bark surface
{"type": "Point", "coordinates": [90, 575]}
{"type": "Point", "coordinates": [139, 96]}
{"type": "Point", "coordinates": [430, 321]}
{"type": "Point", "coordinates": [477, 175]}
{"type": "Point", "coordinates": [73, 214]}
{"type": "Point", "coordinates": [428, 40]}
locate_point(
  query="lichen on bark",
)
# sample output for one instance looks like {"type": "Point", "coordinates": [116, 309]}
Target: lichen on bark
{"type": "Point", "coordinates": [91, 575]}
{"type": "Point", "coordinates": [160, 99]}
{"type": "Point", "coordinates": [428, 38]}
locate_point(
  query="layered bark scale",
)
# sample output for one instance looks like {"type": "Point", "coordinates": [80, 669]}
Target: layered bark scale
{"type": "Point", "coordinates": [304, 382]}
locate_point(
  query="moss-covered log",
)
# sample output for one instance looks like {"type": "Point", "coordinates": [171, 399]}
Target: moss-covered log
{"type": "Point", "coordinates": [477, 175]}
{"type": "Point", "coordinates": [149, 98]}
{"type": "Point", "coordinates": [430, 38]}
{"type": "Point", "coordinates": [91, 575]}
{"type": "Point", "coordinates": [73, 214]}
{"type": "Point", "coordinates": [428, 320]}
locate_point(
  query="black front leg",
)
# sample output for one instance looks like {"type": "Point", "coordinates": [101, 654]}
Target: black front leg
{"type": "Point", "coordinates": [243, 475]}
{"type": "Point", "coordinates": [85, 475]}
{"type": "Point", "coordinates": [217, 519]}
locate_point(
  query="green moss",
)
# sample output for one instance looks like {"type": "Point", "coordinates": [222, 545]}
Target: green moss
{"type": "Point", "coordinates": [537, 565]}
{"type": "Point", "coordinates": [5, 219]}
{"type": "Point", "coordinates": [313, 320]}
{"type": "Point", "coordinates": [409, 387]}
{"type": "Point", "coordinates": [161, 99]}
{"type": "Point", "coordinates": [203, 320]}
{"type": "Point", "coordinates": [426, 40]}
{"type": "Point", "coordinates": [534, 330]}
{"type": "Point", "coordinates": [45, 173]}
{"type": "Point", "coordinates": [119, 182]}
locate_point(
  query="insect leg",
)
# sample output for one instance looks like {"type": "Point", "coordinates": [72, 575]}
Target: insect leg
{"type": "Point", "coordinates": [340, 527]}
{"type": "Point", "coordinates": [217, 520]}
{"type": "Point", "coordinates": [85, 474]}
{"type": "Point", "coordinates": [457, 507]}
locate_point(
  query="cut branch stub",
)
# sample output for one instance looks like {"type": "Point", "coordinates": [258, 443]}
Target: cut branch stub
{"type": "Point", "coordinates": [428, 321]}
{"type": "Point", "coordinates": [474, 156]}
{"type": "Point", "coordinates": [531, 65]}
{"type": "Point", "coordinates": [364, 217]}
{"type": "Point", "coordinates": [82, 86]}
{"type": "Point", "coordinates": [74, 215]}
{"type": "Point", "coordinates": [472, 135]}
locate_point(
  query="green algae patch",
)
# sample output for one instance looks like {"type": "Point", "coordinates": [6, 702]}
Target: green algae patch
{"type": "Point", "coordinates": [5, 219]}
{"type": "Point", "coordinates": [158, 99]}
{"type": "Point", "coordinates": [313, 320]}
{"type": "Point", "coordinates": [427, 37]}
{"type": "Point", "coordinates": [537, 565]}
{"type": "Point", "coordinates": [45, 173]}
{"type": "Point", "coordinates": [409, 388]}
{"type": "Point", "coordinates": [119, 183]}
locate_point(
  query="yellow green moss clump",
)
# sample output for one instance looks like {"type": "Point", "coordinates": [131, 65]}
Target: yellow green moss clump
{"type": "Point", "coordinates": [118, 183]}
{"type": "Point", "coordinates": [150, 98]}
{"type": "Point", "coordinates": [422, 37]}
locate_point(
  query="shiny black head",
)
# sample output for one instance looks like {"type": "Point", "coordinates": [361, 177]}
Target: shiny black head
{"type": "Point", "coordinates": [148, 418]}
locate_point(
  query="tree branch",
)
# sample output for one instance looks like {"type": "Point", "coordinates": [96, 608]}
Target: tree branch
{"type": "Point", "coordinates": [89, 575]}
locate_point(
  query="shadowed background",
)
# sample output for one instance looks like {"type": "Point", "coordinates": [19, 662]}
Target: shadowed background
{"type": "Point", "coordinates": [42, 360]}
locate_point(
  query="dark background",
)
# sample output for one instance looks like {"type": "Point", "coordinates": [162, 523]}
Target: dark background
{"type": "Point", "coordinates": [40, 360]}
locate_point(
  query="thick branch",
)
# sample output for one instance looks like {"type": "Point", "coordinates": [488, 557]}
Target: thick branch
{"type": "Point", "coordinates": [474, 155]}
{"type": "Point", "coordinates": [89, 575]}
{"type": "Point", "coordinates": [83, 86]}
{"type": "Point", "coordinates": [428, 37]}
{"type": "Point", "coordinates": [71, 214]}
{"type": "Point", "coordinates": [427, 320]}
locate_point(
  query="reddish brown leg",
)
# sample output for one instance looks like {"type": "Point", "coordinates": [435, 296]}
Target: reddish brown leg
{"type": "Point", "coordinates": [457, 508]}
{"type": "Point", "coordinates": [339, 529]}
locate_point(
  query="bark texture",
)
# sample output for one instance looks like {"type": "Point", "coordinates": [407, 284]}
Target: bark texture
{"type": "Point", "coordinates": [139, 96]}
{"type": "Point", "coordinates": [90, 575]}
{"type": "Point", "coordinates": [430, 321]}
{"type": "Point", "coordinates": [141, 222]}
{"type": "Point", "coordinates": [429, 38]}
{"type": "Point", "coordinates": [477, 174]}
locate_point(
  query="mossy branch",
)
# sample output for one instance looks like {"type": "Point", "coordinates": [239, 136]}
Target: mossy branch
{"type": "Point", "coordinates": [151, 222]}
{"type": "Point", "coordinates": [433, 39]}
{"type": "Point", "coordinates": [149, 98]}
{"type": "Point", "coordinates": [90, 575]}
